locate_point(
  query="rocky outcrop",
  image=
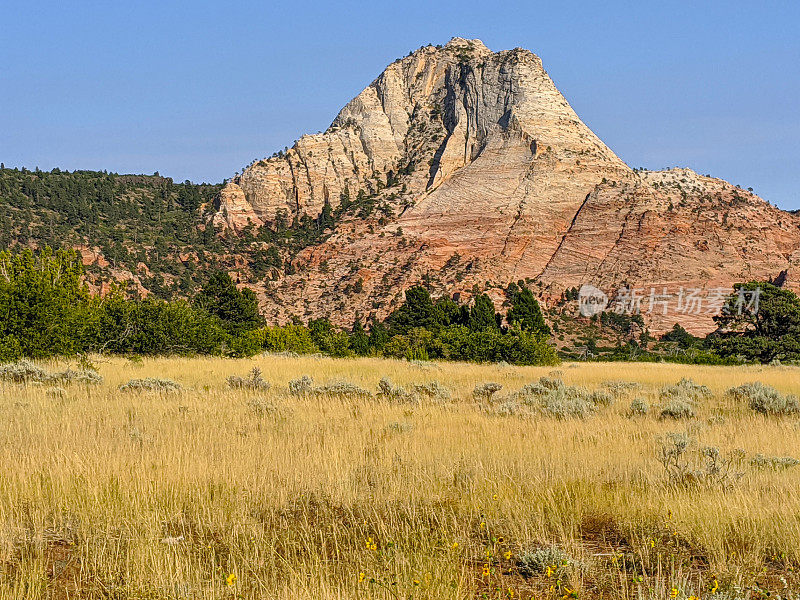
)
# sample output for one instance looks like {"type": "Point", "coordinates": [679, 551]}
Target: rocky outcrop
{"type": "Point", "coordinates": [478, 173]}
{"type": "Point", "coordinates": [234, 211]}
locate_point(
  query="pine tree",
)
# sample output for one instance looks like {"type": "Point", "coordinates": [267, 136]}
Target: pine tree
{"type": "Point", "coordinates": [359, 340]}
{"type": "Point", "coordinates": [482, 314]}
{"type": "Point", "coordinates": [525, 310]}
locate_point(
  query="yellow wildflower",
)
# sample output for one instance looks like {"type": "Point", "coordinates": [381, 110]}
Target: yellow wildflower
{"type": "Point", "coordinates": [231, 579]}
{"type": "Point", "coordinates": [485, 570]}
{"type": "Point", "coordinates": [416, 582]}
{"type": "Point", "coordinates": [361, 577]}
{"type": "Point", "coordinates": [507, 555]}
{"type": "Point", "coordinates": [673, 593]}
{"type": "Point", "coordinates": [455, 545]}
{"type": "Point", "coordinates": [550, 571]}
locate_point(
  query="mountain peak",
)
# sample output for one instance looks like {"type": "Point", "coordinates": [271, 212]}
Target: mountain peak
{"type": "Point", "coordinates": [459, 43]}
{"type": "Point", "coordinates": [459, 166]}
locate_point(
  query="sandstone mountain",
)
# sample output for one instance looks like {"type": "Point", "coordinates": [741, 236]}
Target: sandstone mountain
{"type": "Point", "coordinates": [467, 169]}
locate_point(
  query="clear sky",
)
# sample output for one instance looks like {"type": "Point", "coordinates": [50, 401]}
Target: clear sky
{"type": "Point", "coordinates": [196, 90]}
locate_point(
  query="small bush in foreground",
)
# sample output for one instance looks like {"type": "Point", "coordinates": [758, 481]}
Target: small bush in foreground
{"type": "Point", "coordinates": [677, 408]}
{"type": "Point", "coordinates": [550, 561]}
{"type": "Point", "coordinates": [706, 466]}
{"type": "Point", "coordinates": [619, 388]}
{"type": "Point", "coordinates": [765, 399]}
{"type": "Point", "coordinates": [639, 407]}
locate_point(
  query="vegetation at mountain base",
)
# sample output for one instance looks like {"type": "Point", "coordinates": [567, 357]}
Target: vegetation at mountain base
{"type": "Point", "coordinates": [48, 310]}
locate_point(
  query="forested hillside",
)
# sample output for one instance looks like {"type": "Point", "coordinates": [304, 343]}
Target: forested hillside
{"type": "Point", "coordinates": [146, 225]}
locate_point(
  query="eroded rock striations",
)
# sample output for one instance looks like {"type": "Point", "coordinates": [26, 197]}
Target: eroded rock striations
{"type": "Point", "coordinates": [469, 170]}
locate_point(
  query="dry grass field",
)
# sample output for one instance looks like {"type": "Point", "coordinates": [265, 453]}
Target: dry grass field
{"type": "Point", "coordinates": [212, 491]}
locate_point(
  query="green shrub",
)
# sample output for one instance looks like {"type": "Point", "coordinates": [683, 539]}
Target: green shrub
{"type": "Point", "coordinates": [288, 338]}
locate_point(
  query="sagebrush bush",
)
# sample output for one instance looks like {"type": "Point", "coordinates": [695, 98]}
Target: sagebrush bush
{"type": "Point", "coordinates": [85, 376]}
{"type": "Point", "coordinates": [601, 398]}
{"type": "Point", "coordinates": [25, 372]}
{"type": "Point", "coordinates": [301, 386]}
{"type": "Point", "coordinates": [552, 383]}
{"type": "Point", "coordinates": [639, 407]}
{"type": "Point", "coordinates": [22, 371]}
{"type": "Point", "coordinates": [549, 560]}
{"type": "Point", "coordinates": [775, 463]}
{"type": "Point", "coordinates": [267, 408]}
{"type": "Point", "coordinates": [56, 392]}
{"type": "Point", "coordinates": [686, 389]}
{"type": "Point", "coordinates": [393, 393]}
{"type": "Point", "coordinates": [151, 384]}
{"type": "Point", "coordinates": [544, 386]}
{"type": "Point", "coordinates": [706, 466]}
{"type": "Point", "coordinates": [507, 408]}
{"type": "Point", "coordinates": [253, 381]}
{"type": "Point", "coordinates": [620, 388]}
{"type": "Point", "coordinates": [567, 402]}
{"type": "Point", "coordinates": [485, 391]}
{"type": "Point", "coordinates": [343, 389]}
{"type": "Point", "coordinates": [433, 390]}
{"type": "Point", "coordinates": [765, 399]}
{"type": "Point", "coordinates": [677, 408]}
{"type": "Point", "coordinates": [550, 396]}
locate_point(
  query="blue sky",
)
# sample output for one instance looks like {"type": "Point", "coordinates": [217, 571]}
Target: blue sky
{"type": "Point", "coordinates": [196, 90]}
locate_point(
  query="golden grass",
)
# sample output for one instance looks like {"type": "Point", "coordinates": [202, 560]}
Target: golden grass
{"type": "Point", "coordinates": [108, 494]}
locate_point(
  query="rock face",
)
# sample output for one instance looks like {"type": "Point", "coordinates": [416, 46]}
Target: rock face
{"type": "Point", "coordinates": [234, 211]}
{"type": "Point", "coordinates": [470, 170]}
